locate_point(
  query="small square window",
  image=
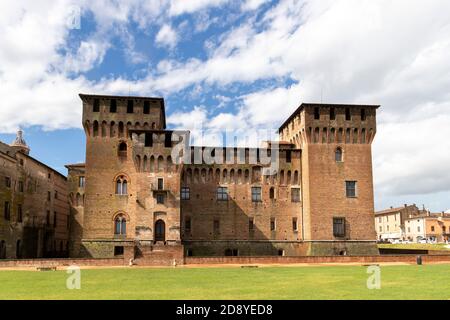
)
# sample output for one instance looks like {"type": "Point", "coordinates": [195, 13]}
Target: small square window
{"type": "Point", "coordinates": [118, 251]}
{"type": "Point", "coordinates": [222, 194]}
{"type": "Point", "coordinates": [185, 193]}
{"type": "Point", "coordinates": [256, 194]}
{"type": "Point", "coordinates": [160, 199]}
{"type": "Point", "coordinates": [295, 195]}
{"type": "Point", "coordinates": [350, 189]}
{"type": "Point", "coordinates": [339, 227]}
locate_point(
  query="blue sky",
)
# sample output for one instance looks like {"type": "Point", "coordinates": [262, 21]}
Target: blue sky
{"type": "Point", "coordinates": [239, 66]}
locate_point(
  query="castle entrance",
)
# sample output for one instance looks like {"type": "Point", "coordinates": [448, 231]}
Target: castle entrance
{"type": "Point", "coordinates": [160, 231]}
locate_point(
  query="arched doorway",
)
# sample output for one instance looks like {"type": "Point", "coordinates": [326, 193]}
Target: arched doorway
{"type": "Point", "coordinates": [160, 231]}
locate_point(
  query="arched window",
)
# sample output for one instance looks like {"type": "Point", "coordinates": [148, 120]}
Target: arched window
{"type": "Point", "coordinates": [95, 128]}
{"type": "Point", "coordinates": [104, 129]}
{"type": "Point", "coordinates": [120, 225]}
{"type": "Point", "coordinates": [112, 129]}
{"type": "Point", "coordinates": [122, 149]}
{"type": "Point", "coordinates": [121, 185]}
{"type": "Point", "coordinates": [338, 155]}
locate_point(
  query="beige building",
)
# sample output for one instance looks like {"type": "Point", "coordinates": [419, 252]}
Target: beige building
{"type": "Point", "coordinates": [34, 220]}
{"type": "Point", "coordinates": [411, 224]}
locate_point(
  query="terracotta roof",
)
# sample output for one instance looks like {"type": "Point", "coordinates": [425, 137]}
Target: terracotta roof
{"type": "Point", "coordinates": [391, 210]}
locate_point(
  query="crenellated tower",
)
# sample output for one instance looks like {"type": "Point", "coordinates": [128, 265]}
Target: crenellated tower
{"type": "Point", "coordinates": [337, 183]}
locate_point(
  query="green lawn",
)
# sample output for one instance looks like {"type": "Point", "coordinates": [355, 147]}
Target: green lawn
{"type": "Point", "coordinates": [321, 282]}
{"type": "Point", "coordinates": [419, 246]}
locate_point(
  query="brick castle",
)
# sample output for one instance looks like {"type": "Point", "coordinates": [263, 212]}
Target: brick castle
{"type": "Point", "coordinates": [141, 196]}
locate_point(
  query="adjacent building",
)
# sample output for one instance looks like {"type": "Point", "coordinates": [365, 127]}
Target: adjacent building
{"type": "Point", "coordinates": [412, 224]}
{"type": "Point", "coordinates": [34, 220]}
{"type": "Point", "coordinates": [133, 196]}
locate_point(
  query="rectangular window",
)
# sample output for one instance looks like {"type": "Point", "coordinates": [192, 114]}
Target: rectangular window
{"type": "Point", "coordinates": [316, 113]}
{"type": "Point", "coordinates": [81, 181]}
{"type": "Point", "coordinates": [332, 114]}
{"type": "Point", "coordinates": [187, 224]}
{"type": "Point", "coordinates": [146, 107]}
{"type": "Point", "coordinates": [118, 251]}
{"type": "Point", "coordinates": [56, 194]}
{"type": "Point", "coordinates": [8, 182]}
{"type": "Point", "coordinates": [20, 186]}
{"type": "Point", "coordinates": [294, 224]}
{"type": "Point", "coordinates": [160, 184]}
{"type": "Point", "coordinates": [7, 211]}
{"type": "Point", "coordinates": [148, 139]}
{"type": "Point", "coordinates": [295, 195]}
{"type": "Point", "coordinates": [418, 229]}
{"type": "Point", "coordinates": [339, 227]}
{"type": "Point", "coordinates": [381, 229]}
{"type": "Point", "coordinates": [256, 194]}
{"type": "Point", "coordinates": [432, 229]}
{"type": "Point", "coordinates": [49, 196]}
{"type": "Point", "coordinates": [96, 106]}
{"type": "Point", "coordinates": [54, 218]}
{"type": "Point", "coordinates": [350, 189]}
{"type": "Point", "coordinates": [130, 106]}
{"type": "Point", "coordinates": [273, 225]}
{"type": "Point", "coordinates": [160, 199]}
{"type": "Point", "coordinates": [251, 225]}
{"type": "Point", "coordinates": [222, 193]}
{"type": "Point", "coordinates": [113, 106]}
{"type": "Point", "coordinates": [185, 193]}
{"type": "Point", "coordinates": [288, 156]}
{"type": "Point", "coordinates": [216, 226]}
{"type": "Point", "coordinates": [19, 213]}
{"type": "Point", "coordinates": [47, 218]}
{"type": "Point", "coordinates": [363, 114]}
{"type": "Point", "coordinates": [348, 115]}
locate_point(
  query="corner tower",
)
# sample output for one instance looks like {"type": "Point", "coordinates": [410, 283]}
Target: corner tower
{"type": "Point", "coordinates": [132, 188]}
{"type": "Point", "coordinates": [338, 201]}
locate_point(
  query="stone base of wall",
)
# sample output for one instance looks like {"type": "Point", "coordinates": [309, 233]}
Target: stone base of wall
{"type": "Point", "coordinates": [102, 248]}
{"type": "Point", "coordinates": [410, 259]}
{"type": "Point", "coordinates": [39, 263]}
{"type": "Point", "coordinates": [343, 248]}
{"type": "Point", "coordinates": [280, 248]}
{"type": "Point", "coordinates": [159, 255]}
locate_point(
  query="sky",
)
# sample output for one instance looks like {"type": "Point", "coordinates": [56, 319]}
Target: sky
{"type": "Point", "coordinates": [239, 66]}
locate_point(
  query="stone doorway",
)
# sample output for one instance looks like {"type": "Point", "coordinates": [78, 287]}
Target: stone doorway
{"type": "Point", "coordinates": [160, 231]}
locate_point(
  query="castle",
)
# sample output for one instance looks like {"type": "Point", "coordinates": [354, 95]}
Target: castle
{"type": "Point", "coordinates": [145, 193]}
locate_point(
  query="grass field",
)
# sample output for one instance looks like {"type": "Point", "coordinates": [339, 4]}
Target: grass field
{"type": "Point", "coordinates": [320, 282]}
{"type": "Point", "coordinates": [419, 246]}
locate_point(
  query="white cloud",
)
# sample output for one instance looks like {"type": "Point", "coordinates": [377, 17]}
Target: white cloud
{"type": "Point", "coordinates": [167, 36]}
{"type": "Point", "coordinates": [178, 7]}
{"type": "Point", "coordinates": [252, 4]}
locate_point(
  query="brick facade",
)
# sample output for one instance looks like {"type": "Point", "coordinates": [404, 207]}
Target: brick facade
{"type": "Point", "coordinates": [302, 208]}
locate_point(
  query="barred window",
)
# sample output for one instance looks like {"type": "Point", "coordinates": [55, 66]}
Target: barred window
{"type": "Point", "coordinates": [350, 189]}
{"type": "Point", "coordinates": [339, 227]}
{"type": "Point", "coordinates": [222, 193]}
{"type": "Point", "coordinates": [256, 194]}
{"type": "Point", "coordinates": [295, 194]}
{"type": "Point", "coordinates": [185, 193]}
